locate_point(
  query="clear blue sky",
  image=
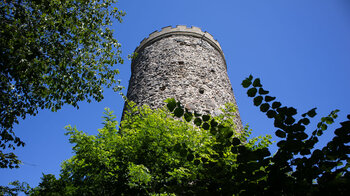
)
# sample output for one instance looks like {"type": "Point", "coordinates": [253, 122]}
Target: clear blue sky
{"type": "Point", "coordinates": [299, 48]}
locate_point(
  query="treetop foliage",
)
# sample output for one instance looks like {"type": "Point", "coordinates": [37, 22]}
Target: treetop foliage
{"type": "Point", "coordinates": [53, 52]}
{"type": "Point", "coordinates": [175, 152]}
{"type": "Point", "coordinates": [151, 153]}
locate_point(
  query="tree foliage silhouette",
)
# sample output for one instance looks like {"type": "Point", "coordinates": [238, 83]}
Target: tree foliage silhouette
{"type": "Point", "coordinates": [177, 152]}
{"type": "Point", "coordinates": [52, 53]}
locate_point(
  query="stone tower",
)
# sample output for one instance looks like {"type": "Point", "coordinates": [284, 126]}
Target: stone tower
{"type": "Point", "coordinates": [182, 63]}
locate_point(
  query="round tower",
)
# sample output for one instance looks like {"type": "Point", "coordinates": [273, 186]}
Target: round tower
{"type": "Point", "coordinates": [182, 63]}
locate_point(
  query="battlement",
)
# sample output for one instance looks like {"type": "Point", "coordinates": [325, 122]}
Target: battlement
{"type": "Point", "coordinates": [179, 30]}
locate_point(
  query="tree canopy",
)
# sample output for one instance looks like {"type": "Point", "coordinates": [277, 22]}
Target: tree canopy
{"type": "Point", "coordinates": [53, 52]}
{"type": "Point", "coordinates": [171, 151]}
{"type": "Point", "coordinates": [152, 153]}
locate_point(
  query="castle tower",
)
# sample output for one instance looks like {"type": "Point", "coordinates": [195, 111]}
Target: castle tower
{"type": "Point", "coordinates": [182, 63]}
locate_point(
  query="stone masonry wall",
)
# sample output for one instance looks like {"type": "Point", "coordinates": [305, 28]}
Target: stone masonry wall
{"type": "Point", "coordinates": [185, 67]}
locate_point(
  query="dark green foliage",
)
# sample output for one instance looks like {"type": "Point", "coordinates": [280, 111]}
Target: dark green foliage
{"type": "Point", "coordinates": [294, 169]}
{"type": "Point", "coordinates": [252, 92]}
{"type": "Point", "coordinates": [52, 53]}
{"type": "Point", "coordinates": [256, 83]}
{"type": "Point", "coordinates": [154, 153]}
{"type": "Point", "coordinates": [258, 100]}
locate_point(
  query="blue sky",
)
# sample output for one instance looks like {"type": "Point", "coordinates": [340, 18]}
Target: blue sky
{"type": "Point", "coordinates": [299, 48]}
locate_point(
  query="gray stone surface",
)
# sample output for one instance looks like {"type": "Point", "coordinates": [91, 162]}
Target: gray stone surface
{"type": "Point", "coordinates": [186, 64]}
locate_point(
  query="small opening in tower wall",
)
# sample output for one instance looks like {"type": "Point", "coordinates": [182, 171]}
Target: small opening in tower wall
{"type": "Point", "coordinates": [162, 88]}
{"type": "Point", "coordinates": [181, 62]}
{"type": "Point", "coordinates": [201, 90]}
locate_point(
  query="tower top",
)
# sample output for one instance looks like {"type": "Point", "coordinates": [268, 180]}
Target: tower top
{"type": "Point", "coordinates": [180, 30]}
{"type": "Point", "coordinates": [184, 63]}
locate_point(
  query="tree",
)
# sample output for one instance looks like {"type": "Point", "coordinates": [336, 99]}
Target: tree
{"type": "Point", "coordinates": [151, 153]}
{"type": "Point", "coordinates": [53, 52]}
{"type": "Point", "coordinates": [176, 152]}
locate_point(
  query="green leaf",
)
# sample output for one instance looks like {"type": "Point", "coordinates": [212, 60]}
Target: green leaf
{"type": "Point", "coordinates": [252, 92]}
{"type": "Point", "coordinates": [311, 112]}
{"type": "Point", "coordinates": [213, 130]}
{"type": "Point", "coordinates": [281, 134]}
{"type": "Point", "coordinates": [197, 162]}
{"type": "Point", "coordinates": [329, 120]}
{"type": "Point", "coordinates": [269, 98]}
{"type": "Point", "coordinates": [291, 111]}
{"type": "Point", "coordinates": [190, 157]}
{"type": "Point", "coordinates": [281, 143]}
{"type": "Point", "coordinates": [178, 112]}
{"type": "Point", "coordinates": [301, 136]}
{"type": "Point", "coordinates": [177, 147]}
{"type": "Point", "coordinates": [196, 114]}
{"type": "Point", "coordinates": [205, 118]}
{"type": "Point", "coordinates": [246, 83]}
{"type": "Point", "coordinates": [319, 133]}
{"type": "Point", "coordinates": [257, 100]}
{"type": "Point", "coordinates": [197, 121]}
{"type": "Point", "coordinates": [234, 150]}
{"type": "Point", "coordinates": [276, 105]}
{"type": "Point", "coordinates": [235, 141]}
{"type": "Point", "coordinates": [271, 113]}
{"type": "Point", "coordinates": [188, 116]}
{"type": "Point", "coordinates": [262, 91]}
{"type": "Point", "coordinates": [257, 83]}
{"type": "Point", "coordinates": [229, 134]}
{"type": "Point", "coordinates": [305, 152]}
{"type": "Point", "coordinates": [305, 121]}
{"type": "Point", "coordinates": [171, 104]}
{"type": "Point", "coordinates": [289, 120]}
{"type": "Point", "coordinates": [205, 126]}
{"type": "Point", "coordinates": [213, 123]}
{"type": "Point", "coordinates": [264, 107]}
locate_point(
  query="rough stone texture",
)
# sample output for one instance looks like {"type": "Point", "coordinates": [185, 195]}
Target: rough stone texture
{"type": "Point", "coordinates": [186, 64]}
